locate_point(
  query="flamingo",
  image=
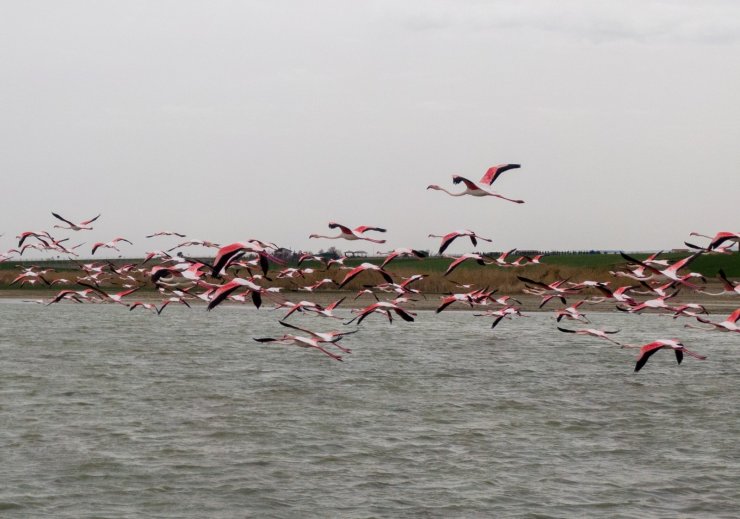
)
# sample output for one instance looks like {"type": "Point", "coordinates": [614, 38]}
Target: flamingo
{"type": "Point", "coordinates": [333, 336]}
{"type": "Point", "coordinates": [345, 233]}
{"type": "Point", "coordinates": [506, 312]}
{"type": "Point", "coordinates": [303, 342]}
{"type": "Point", "coordinates": [571, 312]}
{"type": "Point", "coordinates": [326, 312]}
{"type": "Point", "coordinates": [300, 306]}
{"type": "Point", "coordinates": [222, 292]}
{"type": "Point", "coordinates": [728, 325]}
{"type": "Point", "coordinates": [310, 257]}
{"type": "Point", "coordinates": [165, 233]}
{"type": "Point", "coordinates": [109, 245]}
{"type": "Point", "coordinates": [362, 268]}
{"type": "Point", "coordinates": [448, 238]}
{"type": "Point", "coordinates": [660, 290]}
{"type": "Point", "coordinates": [594, 333]}
{"type": "Point", "coordinates": [719, 238]}
{"type": "Point", "coordinates": [480, 260]}
{"type": "Point", "coordinates": [474, 297]}
{"type": "Point", "coordinates": [685, 310]}
{"type": "Point", "coordinates": [503, 300]}
{"type": "Point", "coordinates": [501, 260]}
{"type": "Point", "coordinates": [383, 305]}
{"type": "Point", "coordinates": [194, 243]}
{"type": "Point", "coordinates": [728, 287]}
{"type": "Point", "coordinates": [228, 254]}
{"type": "Point", "coordinates": [473, 189]}
{"type": "Point", "coordinates": [116, 298]}
{"type": "Point", "coordinates": [82, 226]}
{"type": "Point", "coordinates": [548, 291]}
{"type": "Point", "coordinates": [41, 236]}
{"type": "Point", "coordinates": [669, 272]}
{"type": "Point", "coordinates": [647, 350]}
{"type": "Point", "coordinates": [76, 295]}
{"type": "Point", "coordinates": [537, 260]}
{"type": "Point", "coordinates": [619, 295]}
{"type": "Point", "coordinates": [403, 252]}
{"type": "Point", "coordinates": [454, 298]}
{"type": "Point", "coordinates": [318, 284]}
{"type": "Point", "coordinates": [29, 274]}
{"type": "Point", "coordinates": [657, 304]}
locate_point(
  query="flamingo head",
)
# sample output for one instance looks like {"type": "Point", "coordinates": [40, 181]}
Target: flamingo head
{"type": "Point", "coordinates": [434, 186]}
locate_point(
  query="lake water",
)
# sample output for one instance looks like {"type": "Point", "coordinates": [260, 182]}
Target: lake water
{"type": "Point", "coordinates": [111, 413]}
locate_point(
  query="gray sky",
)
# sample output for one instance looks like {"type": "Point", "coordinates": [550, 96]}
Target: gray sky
{"type": "Point", "coordinates": [229, 120]}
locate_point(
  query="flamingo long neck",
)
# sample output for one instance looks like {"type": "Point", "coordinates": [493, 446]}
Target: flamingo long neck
{"type": "Point", "coordinates": [462, 193]}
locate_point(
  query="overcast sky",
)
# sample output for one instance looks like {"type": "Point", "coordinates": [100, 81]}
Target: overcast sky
{"type": "Point", "coordinates": [230, 120]}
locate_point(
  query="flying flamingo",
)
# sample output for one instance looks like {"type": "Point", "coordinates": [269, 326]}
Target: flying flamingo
{"type": "Point", "coordinates": [725, 248]}
{"type": "Point", "coordinates": [41, 236]}
{"type": "Point", "coordinates": [619, 295]}
{"type": "Point", "coordinates": [647, 350]}
{"type": "Point", "coordinates": [383, 305]}
{"type": "Point", "coordinates": [658, 303]}
{"type": "Point", "coordinates": [193, 243]}
{"type": "Point", "coordinates": [165, 233]}
{"type": "Point", "coordinates": [222, 292]}
{"type": "Point", "coordinates": [473, 189]}
{"type": "Point", "coordinates": [300, 306]}
{"type": "Point", "coordinates": [454, 298]}
{"type": "Point", "coordinates": [669, 272]}
{"type": "Point", "coordinates": [327, 311]}
{"type": "Point", "coordinates": [506, 312]}
{"type": "Point", "coordinates": [82, 226]}
{"type": "Point", "coordinates": [501, 260]}
{"type": "Point", "coordinates": [719, 238]}
{"type": "Point", "coordinates": [345, 233]}
{"type": "Point", "coordinates": [448, 238]}
{"type": "Point", "coordinates": [362, 268]}
{"type": "Point", "coordinates": [333, 336]}
{"type": "Point", "coordinates": [728, 286]}
{"type": "Point", "coordinates": [109, 245]}
{"type": "Point", "coordinates": [76, 295]}
{"type": "Point", "coordinates": [686, 310]}
{"type": "Point", "coordinates": [228, 254]}
{"type": "Point", "coordinates": [480, 260]}
{"type": "Point", "coordinates": [116, 298]}
{"type": "Point", "coordinates": [303, 342]}
{"type": "Point", "coordinates": [571, 312]}
{"type": "Point", "coordinates": [594, 333]}
{"type": "Point", "coordinates": [396, 253]}
{"type": "Point", "coordinates": [728, 325]}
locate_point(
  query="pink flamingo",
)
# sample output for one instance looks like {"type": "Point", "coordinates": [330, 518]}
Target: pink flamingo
{"type": "Point", "coordinates": [648, 350]}
{"type": "Point", "coordinates": [594, 333]}
{"type": "Point", "coordinates": [448, 238]}
{"type": "Point", "coordinates": [345, 233]}
{"type": "Point", "coordinates": [473, 189]}
{"type": "Point", "coordinates": [82, 226]}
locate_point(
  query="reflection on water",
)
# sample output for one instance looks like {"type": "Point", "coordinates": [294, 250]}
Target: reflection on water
{"type": "Point", "coordinates": [121, 414]}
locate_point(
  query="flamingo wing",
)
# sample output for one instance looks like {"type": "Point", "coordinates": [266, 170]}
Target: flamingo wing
{"type": "Point", "coordinates": [456, 179]}
{"type": "Point", "coordinates": [55, 215]}
{"type": "Point", "coordinates": [363, 228]}
{"type": "Point", "coordinates": [495, 171]}
{"type": "Point", "coordinates": [91, 220]}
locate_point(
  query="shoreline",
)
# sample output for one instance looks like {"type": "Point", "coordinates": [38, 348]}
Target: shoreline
{"type": "Point", "coordinates": [529, 303]}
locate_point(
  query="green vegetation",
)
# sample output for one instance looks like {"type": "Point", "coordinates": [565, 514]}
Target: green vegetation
{"type": "Point", "coordinates": [575, 267]}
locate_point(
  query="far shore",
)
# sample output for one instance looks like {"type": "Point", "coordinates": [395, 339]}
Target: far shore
{"type": "Point", "coordinates": [529, 303]}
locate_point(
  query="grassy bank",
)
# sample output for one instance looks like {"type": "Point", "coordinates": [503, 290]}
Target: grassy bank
{"type": "Point", "coordinates": [575, 267]}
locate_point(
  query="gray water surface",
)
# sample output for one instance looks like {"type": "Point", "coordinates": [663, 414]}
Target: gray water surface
{"type": "Point", "coordinates": [111, 413]}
